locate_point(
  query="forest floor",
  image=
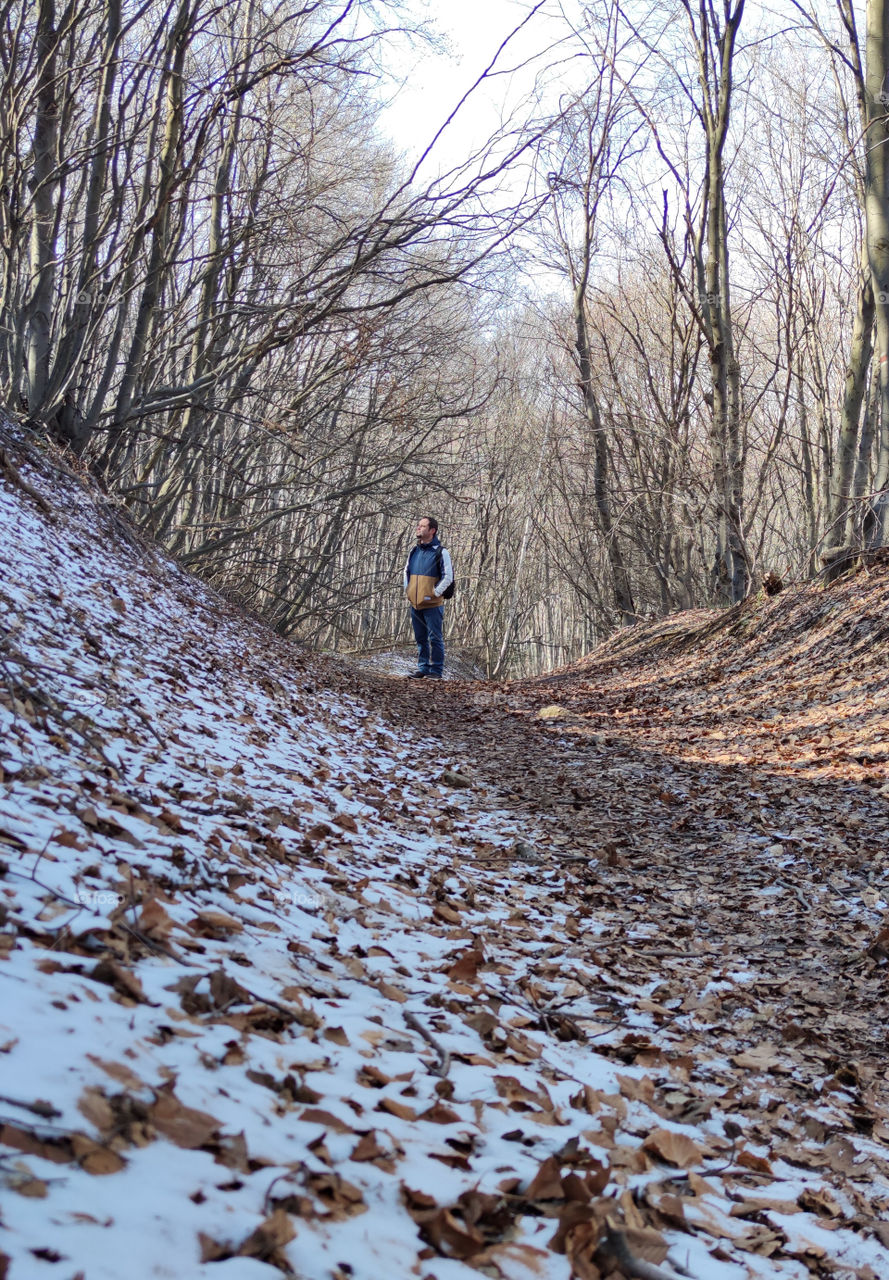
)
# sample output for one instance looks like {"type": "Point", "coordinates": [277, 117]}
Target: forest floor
{"type": "Point", "coordinates": [309, 970]}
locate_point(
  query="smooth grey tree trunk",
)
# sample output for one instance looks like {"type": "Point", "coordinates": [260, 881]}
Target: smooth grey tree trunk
{"type": "Point", "coordinates": [877, 215]}
{"type": "Point", "coordinates": [172, 94]}
{"type": "Point", "coordinates": [88, 301]}
{"type": "Point", "coordinates": [842, 474]}
{"type": "Point", "coordinates": [43, 182]}
{"type": "Point", "coordinates": [623, 595]}
{"type": "Point", "coordinates": [731, 570]}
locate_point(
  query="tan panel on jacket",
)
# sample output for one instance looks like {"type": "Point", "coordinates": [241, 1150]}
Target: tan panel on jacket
{"type": "Point", "coordinates": [421, 591]}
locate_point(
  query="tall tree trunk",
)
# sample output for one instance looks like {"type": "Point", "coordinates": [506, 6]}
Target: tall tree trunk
{"type": "Point", "coordinates": [88, 302]}
{"type": "Point", "coordinates": [170, 173]}
{"type": "Point", "coordinates": [857, 524]}
{"type": "Point", "coordinates": [179, 482]}
{"type": "Point", "coordinates": [876, 204]}
{"type": "Point", "coordinates": [45, 170]}
{"type": "Point", "coordinates": [839, 546]}
{"type": "Point", "coordinates": [731, 568]}
{"type": "Point", "coordinates": [510, 627]}
{"type": "Point", "coordinates": [623, 595]}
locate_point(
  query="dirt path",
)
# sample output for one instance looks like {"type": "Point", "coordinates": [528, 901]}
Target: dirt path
{"type": "Point", "coordinates": [598, 975]}
{"type": "Point", "coordinates": [739, 885]}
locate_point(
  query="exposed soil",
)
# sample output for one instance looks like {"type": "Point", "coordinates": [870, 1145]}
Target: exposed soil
{"type": "Point", "coordinates": [722, 780]}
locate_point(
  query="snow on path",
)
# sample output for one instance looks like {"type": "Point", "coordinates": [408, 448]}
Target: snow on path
{"type": "Point", "coordinates": [273, 996]}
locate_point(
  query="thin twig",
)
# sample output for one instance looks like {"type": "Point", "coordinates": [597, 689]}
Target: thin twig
{"type": "Point", "coordinates": [43, 1109]}
{"type": "Point", "coordinates": [615, 1243]}
{"type": "Point", "coordinates": [12, 473]}
{"type": "Point", "coordinates": [444, 1058]}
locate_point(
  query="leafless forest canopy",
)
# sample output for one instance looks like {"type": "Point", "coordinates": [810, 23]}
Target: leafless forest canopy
{"type": "Point", "coordinates": [633, 351]}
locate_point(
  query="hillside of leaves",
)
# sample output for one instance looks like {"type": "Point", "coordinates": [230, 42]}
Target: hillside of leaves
{"type": "Point", "coordinates": [313, 972]}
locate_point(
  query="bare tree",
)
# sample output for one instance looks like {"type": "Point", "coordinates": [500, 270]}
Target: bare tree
{"type": "Point", "coordinates": [876, 203]}
{"type": "Point", "coordinates": [582, 162]}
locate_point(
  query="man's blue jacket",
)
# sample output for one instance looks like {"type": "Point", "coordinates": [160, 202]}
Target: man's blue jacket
{"type": "Point", "coordinates": [427, 574]}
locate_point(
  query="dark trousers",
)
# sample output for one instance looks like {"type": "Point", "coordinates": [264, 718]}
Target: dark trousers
{"type": "Point", "coordinates": [427, 624]}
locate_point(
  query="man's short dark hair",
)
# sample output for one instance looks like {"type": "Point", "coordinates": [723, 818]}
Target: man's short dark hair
{"type": "Point", "coordinates": [432, 522]}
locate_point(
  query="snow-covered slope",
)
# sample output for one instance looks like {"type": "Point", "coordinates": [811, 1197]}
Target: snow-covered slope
{"type": "Point", "coordinates": [277, 992]}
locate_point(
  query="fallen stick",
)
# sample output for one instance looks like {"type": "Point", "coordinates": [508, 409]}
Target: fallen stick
{"type": "Point", "coordinates": [14, 476]}
{"type": "Point", "coordinates": [615, 1243]}
{"type": "Point", "coordinates": [444, 1057]}
{"type": "Point", "coordinates": [45, 1110]}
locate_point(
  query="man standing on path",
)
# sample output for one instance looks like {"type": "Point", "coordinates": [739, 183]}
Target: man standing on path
{"type": "Point", "coordinates": [427, 575]}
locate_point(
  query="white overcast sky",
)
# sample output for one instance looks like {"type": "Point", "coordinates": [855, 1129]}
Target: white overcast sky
{"type": "Point", "coordinates": [434, 83]}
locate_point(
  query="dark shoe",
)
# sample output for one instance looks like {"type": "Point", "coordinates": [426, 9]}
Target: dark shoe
{"type": "Point", "coordinates": [417, 675]}
{"type": "Point", "coordinates": [435, 675]}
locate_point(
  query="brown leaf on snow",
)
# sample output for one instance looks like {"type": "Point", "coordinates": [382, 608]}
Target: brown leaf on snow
{"type": "Point", "coordinates": [703, 1215]}
{"type": "Point", "coordinates": [268, 1238]}
{"type": "Point", "coordinates": [587, 1099]}
{"type": "Point", "coordinates": [466, 967]}
{"type": "Point", "coordinates": [395, 1108]}
{"type": "Point", "coordinates": [636, 1090]}
{"type": "Point", "coordinates": [154, 921]}
{"type": "Point", "coordinates": [23, 1182]}
{"type": "Point", "coordinates": [752, 1206]}
{"type": "Point", "coordinates": [31, 1188]}
{"type": "Point", "coordinates": [213, 1250]}
{"type": "Point", "coordinates": [31, 1144]}
{"type": "Point", "coordinates": [337, 1035]}
{"type": "Point", "coordinates": [417, 1201]}
{"type": "Point", "coordinates": [452, 1160]}
{"type": "Point", "coordinates": [446, 914]}
{"type": "Point", "coordinates": [314, 1115]}
{"type": "Point", "coordinates": [225, 991]}
{"type": "Point", "coordinates": [68, 840]}
{"type": "Point", "coordinates": [755, 1163]}
{"type": "Point", "coordinates": [628, 1247]}
{"type": "Point", "coordinates": [516, 1094]}
{"type": "Point", "coordinates": [391, 993]}
{"type": "Point", "coordinates": [466, 1228]}
{"type": "Point", "coordinates": [369, 1150]}
{"type": "Point", "coordinates": [521, 1048]}
{"type": "Point", "coordinates": [214, 924]}
{"type": "Point", "coordinates": [231, 1152]}
{"type": "Point", "coordinates": [438, 1113]}
{"type": "Point", "coordinates": [452, 1238]}
{"type": "Point", "coordinates": [674, 1148]}
{"type": "Point", "coordinates": [184, 1126]}
{"type": "Point", "coordinates": [547, 1182]}
{"type": "Point", "coordinates": [118, 1071]}
{"type": "Point", "coordinates": [327, 1196]}
{"type": "Point", "coordinates": [372, 1077]}
{"type": "Point", "coordinates": [451, 778]}
{"type": "Point", "coordinates": [517, 1261]}
{"type": "Point", "coordinates": [95, 1107]}
{"type": "Point", "coordinates": [820, 1200]}
{"type": "Point", "coordinates": [761, 1058]}
{"type": "Point", "coordinates": [95, 1158]}
{"type": "Point", "coordinates": [483, 1022]}
{"type": "Point", "coordinates": [124, 982]}
{"type": "Point", "coordinates": [580, 1249]}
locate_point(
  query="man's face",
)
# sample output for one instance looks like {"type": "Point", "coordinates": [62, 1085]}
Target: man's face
{"type": "Point", "coordinates": [424, 533]}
